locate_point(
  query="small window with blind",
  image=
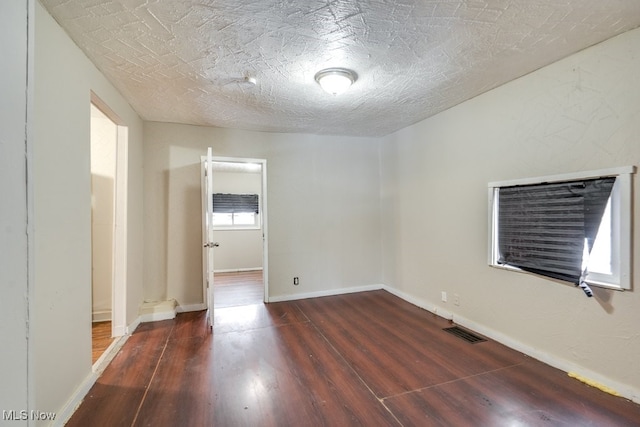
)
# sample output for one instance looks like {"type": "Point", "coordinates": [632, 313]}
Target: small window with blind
{"type": "Point", "coordinates": [575, 228]}
{"type": "Point", "coordinates": [236, 211]}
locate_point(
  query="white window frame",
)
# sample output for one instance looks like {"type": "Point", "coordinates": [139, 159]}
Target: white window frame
{"type": "Point", "coordinates": [255, 226]}
{"type": "Point", "coordinates": [621, 211]}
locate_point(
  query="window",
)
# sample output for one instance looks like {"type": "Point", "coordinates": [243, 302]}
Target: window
{"type": "Point", "coordinates": [236, 211]}
{"type": "Point", "coordinates": [574, 227]}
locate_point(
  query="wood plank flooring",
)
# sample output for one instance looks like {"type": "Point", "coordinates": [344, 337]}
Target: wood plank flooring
{"type": "Point", "coordinates": [359, 359]}
{"type": "Point", "coordinates": [100, 339]}
{"type": "Point", "coordinates": [238, 288]}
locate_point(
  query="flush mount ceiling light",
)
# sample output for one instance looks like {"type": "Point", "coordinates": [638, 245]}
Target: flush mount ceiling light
{"type": "Point", "coordinates": [336, 80]}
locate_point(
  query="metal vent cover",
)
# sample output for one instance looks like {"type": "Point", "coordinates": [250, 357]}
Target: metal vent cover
{"type": "Point", "coordinates": [464, 334]}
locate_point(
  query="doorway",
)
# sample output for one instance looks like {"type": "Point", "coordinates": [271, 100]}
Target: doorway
{"type": "Point", "coordinates": [109, 140]}
{"type": "Point", "coordinates": [239, 237]}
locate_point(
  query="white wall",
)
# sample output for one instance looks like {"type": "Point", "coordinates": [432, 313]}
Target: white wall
{"type": "Point", "coordinates": [581, 113]}
{"type": "Point", "coordinates": [239, 249]}
{"type": "Point", "coordinates": [104, 138]}
{"type": "Point", "coordinates": [64, 79]}
{"type": "Point", "coordinates": [323, 208]}
{"type": "Point", "coordinates": [15, 355]}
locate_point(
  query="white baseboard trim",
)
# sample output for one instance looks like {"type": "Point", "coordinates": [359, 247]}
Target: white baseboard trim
{"type": "Point", "coordinates": [420, 303]}
{"type": "Point", "coordinates": [326, 293]}
{"type": "Point", "coordinates": [154, 311]}
{"type": "Point", "coordinates": [76, 399]}
{"type": "Point", "coordinates": [97, 369]}
{"type": "Point", "coordinates": [108, 355]}
{"type": "Point", "coordinates": [133, 326]}
{"type": "Point", "coordinates": [119, 331]}
{"type": "Point", "coordinates": [237, 270]}
{"type": "Point", "coordinates": [624, 390]}
{"type": "Point", "coordinates": [101, 316]}
{"type": "Point", "coordinates": [190, 307]}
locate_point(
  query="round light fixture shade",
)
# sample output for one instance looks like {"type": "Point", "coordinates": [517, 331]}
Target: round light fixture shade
{"type": "Point", "coordinates": [336, 80]}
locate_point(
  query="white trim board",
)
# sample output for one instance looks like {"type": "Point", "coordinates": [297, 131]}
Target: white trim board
{"type": "Point", "coordinates": [326, 293]}
{"type": "Point", "coordinates": [101, 316]}
{"type": "Point", "coordinates": [158, 310]}
{"type": "Point", "coordinates": [600, 173]}
{"type": "Point", "coordinates": [238, 270]}
{"type": "Point", "coordinates": [191, 307]}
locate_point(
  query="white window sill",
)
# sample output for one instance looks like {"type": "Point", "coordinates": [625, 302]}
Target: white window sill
{"type": "Point", "coordinates": [598, 284]}
{"type": "Point", "coordinates": [235, 228]}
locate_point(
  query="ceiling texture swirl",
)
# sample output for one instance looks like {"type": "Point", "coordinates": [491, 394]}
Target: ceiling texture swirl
{"type": "Point", "coordinates": [250, 64]}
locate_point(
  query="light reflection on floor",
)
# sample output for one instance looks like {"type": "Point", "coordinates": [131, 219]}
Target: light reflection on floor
{"type": "Point", "coordinates": [239, 318]}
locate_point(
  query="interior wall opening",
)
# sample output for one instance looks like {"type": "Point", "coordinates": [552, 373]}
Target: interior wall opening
{"type": "Point", "coordinates": [109, 140]}
{"type": "Point", "coordinates": [240, 255]}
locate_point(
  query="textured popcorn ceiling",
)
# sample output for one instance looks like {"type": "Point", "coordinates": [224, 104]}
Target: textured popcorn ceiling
{"type": "Point", "coordinates": [187, 61]}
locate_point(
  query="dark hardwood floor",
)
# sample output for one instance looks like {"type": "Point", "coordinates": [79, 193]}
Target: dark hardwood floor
{"type": "Point", "coordinates": [366, 359]}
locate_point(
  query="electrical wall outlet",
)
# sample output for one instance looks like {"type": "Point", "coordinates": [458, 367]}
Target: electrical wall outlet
{"type": "Point", "coordinates": [444, 296]}
{"type": "Point", "coordinates": [296, 281]}
{"type": "Point", "coordinates": [456, 299]}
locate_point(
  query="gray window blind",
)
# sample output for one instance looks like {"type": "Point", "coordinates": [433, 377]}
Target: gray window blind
{"type": "Point", "coordinates": [543, 228]}
{"type": "Point", "coordinates": [235, 203]}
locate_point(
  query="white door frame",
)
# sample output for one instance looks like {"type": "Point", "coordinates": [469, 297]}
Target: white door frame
{"type": "Point", "coordinates": [265, 246]}
{"type": "Point", "coordinates": [120, 233]}
{"type": "Point", "coordinates": [208, 245]}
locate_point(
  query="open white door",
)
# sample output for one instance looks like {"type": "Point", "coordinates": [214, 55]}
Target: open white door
{"type": "Point", "coordinates": [208, 243]}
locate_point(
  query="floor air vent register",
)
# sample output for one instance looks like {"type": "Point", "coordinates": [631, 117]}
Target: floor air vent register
{"type": "Point", "coordinates": [464, 334]}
